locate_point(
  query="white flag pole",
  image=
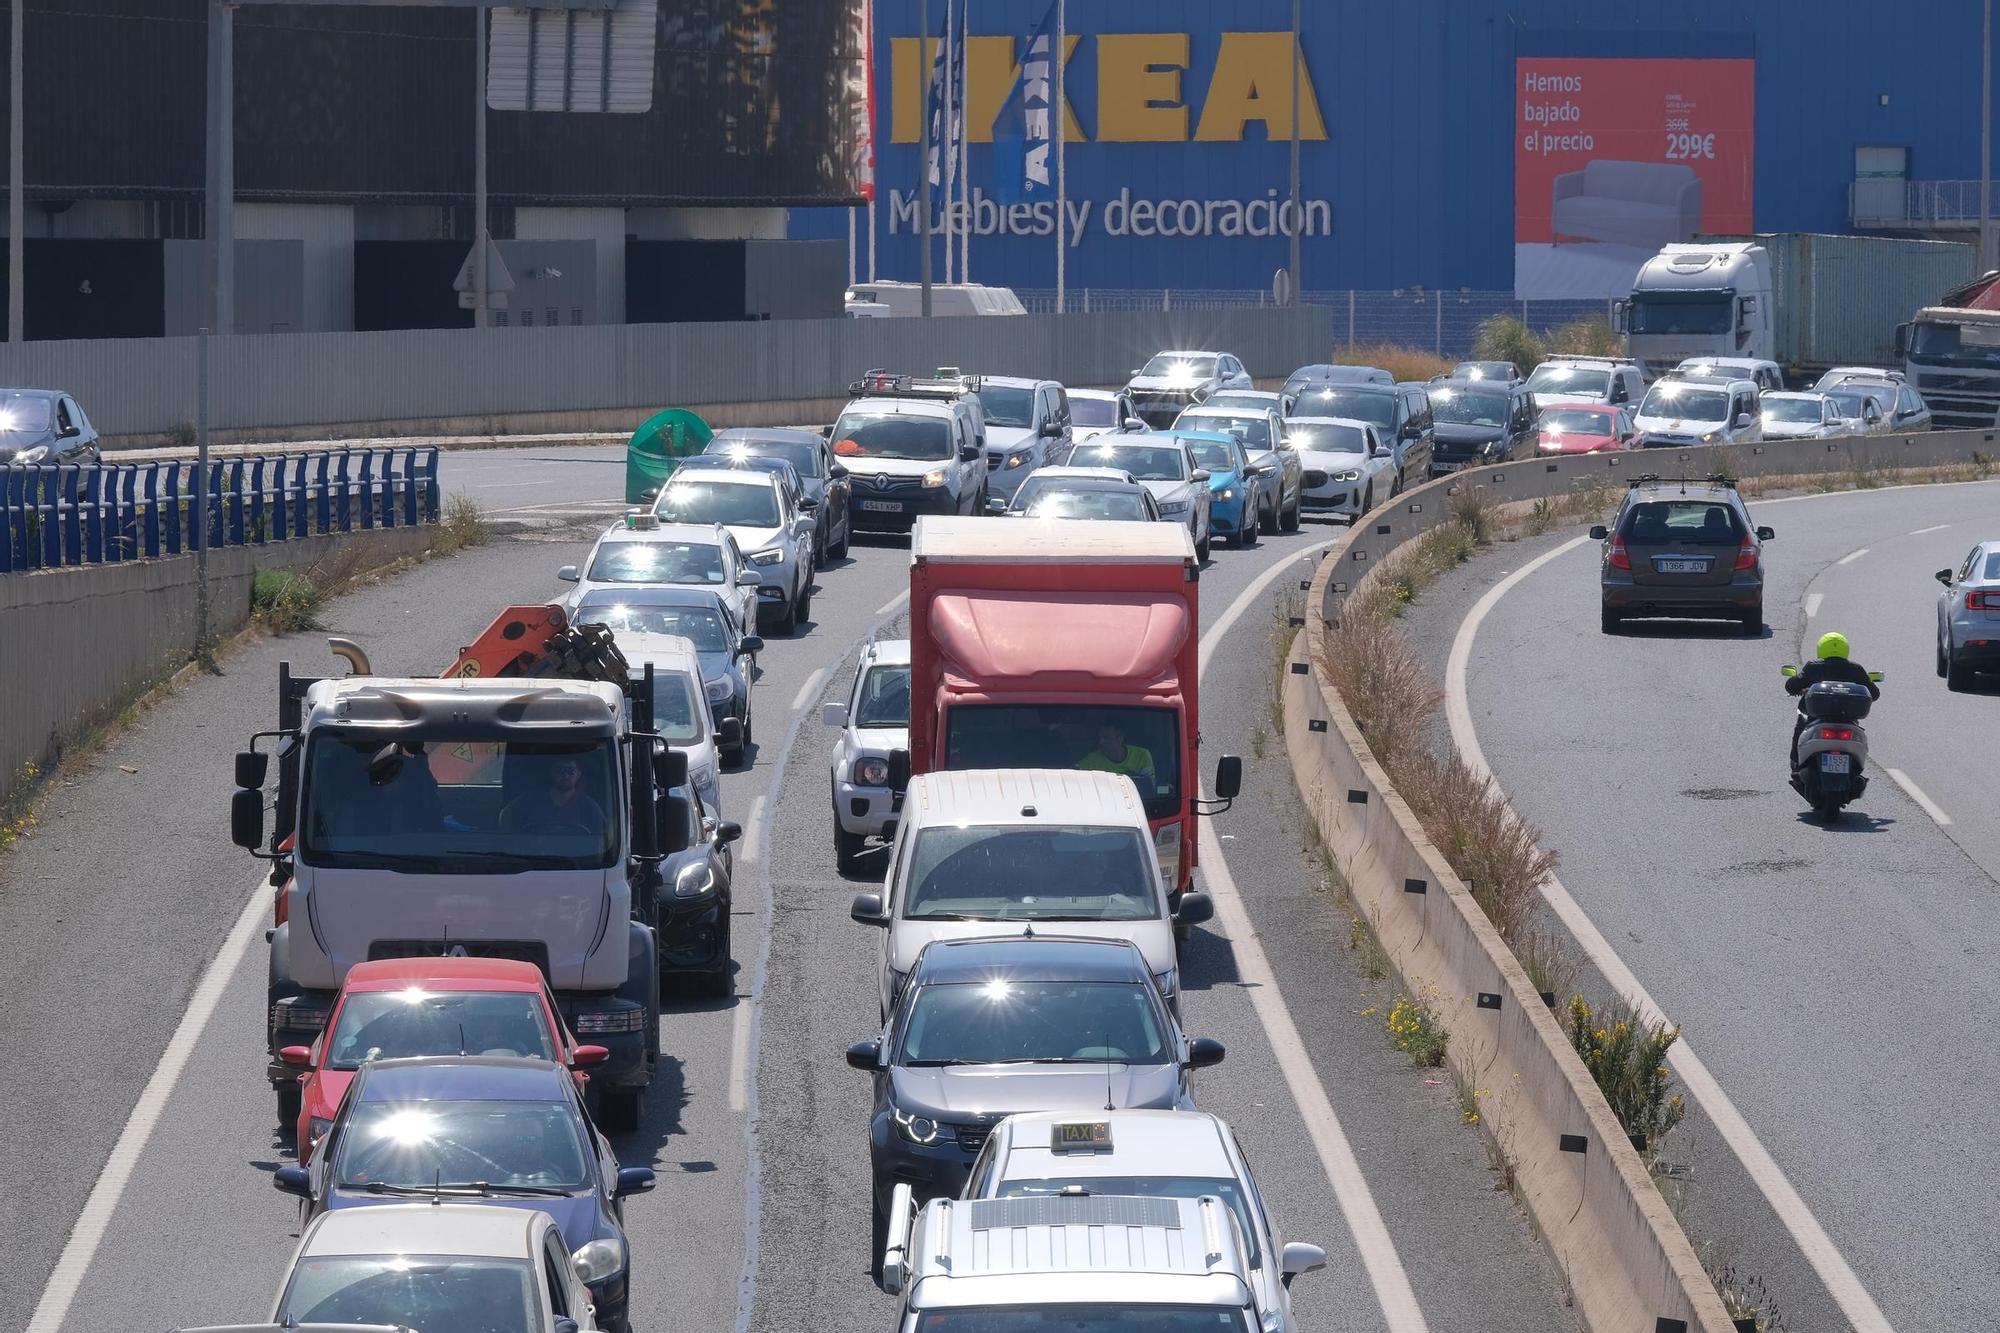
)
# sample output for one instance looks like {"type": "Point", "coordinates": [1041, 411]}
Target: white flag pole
{"type": "Point", "coordinates": [948, 151]}
{"type": "Point", "coordinates": [965, 145]}
{"type": "Point", "coordinates": [1061, 110]}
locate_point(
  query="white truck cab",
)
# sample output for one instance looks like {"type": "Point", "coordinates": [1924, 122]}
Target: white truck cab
{"type": "Point", "coordinates": [1700, 300]}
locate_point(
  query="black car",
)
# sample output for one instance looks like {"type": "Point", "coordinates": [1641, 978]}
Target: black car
{"type": "Point", "coordinates": [471, 1128]}
{"type": "Point", "coordinates": [987, 1027]}
{"type": "Point", "coordinates": [1478, 422]}
{"type": "Point", "coordinates": [826, 483]}
{"type": "Point", "coordinates": [1683, 548]}
{"type": "Point", "coordinates": [689, 906]}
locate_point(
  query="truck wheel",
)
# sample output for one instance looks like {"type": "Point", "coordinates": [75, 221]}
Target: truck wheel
{"type": "Point", "coordinates": [847, 849]}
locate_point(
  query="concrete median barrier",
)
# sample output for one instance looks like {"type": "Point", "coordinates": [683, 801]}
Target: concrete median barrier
{"type": "Point", "coordinates": [1628, 1265]}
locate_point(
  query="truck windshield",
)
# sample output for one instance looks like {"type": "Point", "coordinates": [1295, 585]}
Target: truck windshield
{"type": "Point", "coordinates": [1035, 873]}
{"type": "Point", "coordinates": [452, 807]}
{"type": "Point", "coordinates": [911, 438]}
{"type": "Point", "coordinates": [1957, 344]}
{"type": "Point", "coordinates": [1122, 1318]}
{"type": "Point", "coordinates": [1701, 312]}
{"type": "Point", "coordinates": [1143, 743]}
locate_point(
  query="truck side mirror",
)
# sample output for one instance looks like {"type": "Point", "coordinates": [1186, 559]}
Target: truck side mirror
{"type": "Point", "coordinates": [729, 733]}
{"type": "Point", "coordinates": [1619, 311]}
{"type": "Point", "coordinates": [1196, 907]}
{"type": "Point", "coordinates": [671, 768]}
{"type": "Point", "coordinates": [246, 818]}
{"type": "Point", "coordinates": [1902, 341]}
{"type": "Point", "coordinates": [899, 770]}
{"type": "Point", "coordinates": [1228, 777]}
{"type": "Point", "coordinates": [251, 768]}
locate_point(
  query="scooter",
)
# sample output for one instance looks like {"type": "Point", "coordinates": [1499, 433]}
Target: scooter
{"type": "Point", "coordinates": [1830, 759]}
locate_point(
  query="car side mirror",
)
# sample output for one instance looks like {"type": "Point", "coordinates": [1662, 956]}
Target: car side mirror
{"type": "Point", "coordinates": [729, 733]}
{"type": "Point", "coordinates": [246, 818]}
{"type": "Point", "coordinates": [834, 715]}
{"type": "Point", "coordinates": [298, 1057]}
{"type": "Point", "coordinates": [1196, 907]}
{"type": "Point", "coordinates": [1052, 429]}
{"type": "Point", "coordinates": [1298, 1257]}
{"type": "Point", "coordinates": [1204, 1052]}
{"type": "Point", "coordinates": [1200, 474]}
{"type": "Point", "coordinates": [251, 768]}
{"type": "Point", "coordinates": [728, 831]}
{"type": "Point", "coordinates": [1765, 534]}
{"type": "Point", "coordinates": [836, 472]}
{"type": "Point", "coordinates": [1228, 776]}
{"type": "Point", "coordinates": [1944, 577]}
{"type": "Point", "coordinates": [864, 1054]}
{"type": "Point", "coordinates": [747, 579]}
{"type": "Point", "coordinates": [1599, 532]}
{"type": "Point", "coordinates": [826, 431]}
{"type": "Point", "coordinates": [1742, 420]}
{"type": "Point", "coordinates": [639, 1179]}
{"type": "Point", "coordinates": [567, 574]}
{"type": "Point", "coordinates": [750, 645]}
{"type": "Point", "coordinates": [807, 503]}
{"type": "Point", "coordinates": [867, 909]}
{"type": "Point", "coordinates": [564, 1324]}
{"type": "Point", "coordinates": [293, 1180]}
{"type": "Point", "coordinates": [589, 1057]}
{"type": "Point", "coordinates": [1378, 450]}
{"type": "Point", "coordinates": [1133, 424]}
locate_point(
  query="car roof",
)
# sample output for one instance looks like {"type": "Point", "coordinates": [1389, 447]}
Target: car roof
{"type": "Point", "coordinates": [1358, 386]}
{"type": "Point", "coordinates": [674, 652]}
{"type": "Point", "coordinates": [963, 962]}
{"type": "Point", "coordinates": [1590, 404]}
{"type": "Point", "coordinates": [1330, 421]}
{"type": "Point", "coordinates": [730, 473]}
{"type": "Point", "coordinates": [709, 534]}
{"type": "Point", "coordinates": [1202, 411]}
{"type": "Point", "coordinates": [461, 1078]}
{"type": "Point", "coordinates": [752, 464]}
{"type": "Point", "coordinates": [1189, 1143]}
{"type": "Point", "coordinates": [34, 393]}
{"type": "Point", "coordinates": [650, 594]}
{"type": "Point", "coordinates": [1106, 485]}
{"type": "Point", "coordinates": [1100, 395]}
{"type": "Point", "coordinates": [1001, 795]}
{"type": "Point", "coordinates": [910, 407]}
{"type": "Point", "coordinates": [1177, 433]}
{"type": "Point", "coordinates": [474, 1229]}
{"type": "Point", "coordinates": [1693, 490]}
{"type": "Point", "coordinates": [888, 652]}
{"type": "Point", "coordinates": [443, 974]}
{"type": "Point", "coordinates": [1068, 472]}
{"type": "Point", "coordinates": [1262, 395]}
{"type": "Point", "coordinates": [1015, 382]}
{"type": "Point", "coordinates": [1186, 352]}
{"type": "Point", "coordinates": [762, 435]}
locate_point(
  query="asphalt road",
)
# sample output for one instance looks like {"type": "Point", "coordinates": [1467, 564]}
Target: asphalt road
{"type": "Point", "coordinates": [1838, 982]}
{"type": "Point", "coordinates": [538, 485]}
{"type": "Point", "coordinates": [111, 913]}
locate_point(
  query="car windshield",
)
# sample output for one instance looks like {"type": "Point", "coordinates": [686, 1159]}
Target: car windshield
{"type": "Point", "coordinates": [1967, 344]}
{"type": "Point", "coordinates": [1007, 406]}
{"type": "Point", "coordinates": [21, 414]}
{"type": "Point", "coordinates": [1470, 409]}
{"type": "Point", "coordinates": [884, 700]}
{"type": "Point", "coordinates": [400, 1024]}
{"type": "Point", "coordinates": [1326, 438]}
{"type": "Point", "coordinates": [1673, 398]}
{"type": "Point", "coordinates": [675, 716]}
{"type": "Point", "coordinates": [1059, 872]}
{"type": "Point", "coordinates": [1569, 380]}
{"type": "Point", "coordinates": [1682, 522]}
{"type": "Point", "coordinates": [732, 504]}
{"type": "Point", "coordinates": [1251, 432]}
{"type": "Point", "coordinates": [1126, 1317]}
{"type": "Point", "coordinates": [452, 806]}
{"type": "Point", "coordinates": [1581, 420]}
{"type": "Point", "coordinates": [1143, 743]}
{"type": "Point", "coordinates": [1094, 412]}
{"type": "Point", "coordinates": [881, 435]}
{"type": "Point", "coordinates": [1482, 370]}
{"type": "Point", "coordinates": [1013, 1022]}
{"type": "Point", "coordinates": [1216, 457]}
{"type": "Point", "coordinates": [699, 625]}
{"type": "Point", "coordinates": [656, 562]}
{"type": "Point", "coordinates": [1116, 506]}
{"type": "Point", "coordinates": [1792, 409]}
{"type": "Point", "coordinates": [1850, 404]}
{"type": "Point", "coordinates": [442, 1144]}
{"type": "Point", "coordinates": [1375, 408]}
{"type": "Point", "coordinates": [423, 1293]}
{"type": "Point", "coordinates": [1701, 312]}
{"type": "Point", "coordinates": [804, 458]}
{"type": "Point", "coordinates": [1175, 366]}
{"type": "Point", "coordinates": [1146, 462]}
{"type": "Point", "coordinates": [1152, 1187]}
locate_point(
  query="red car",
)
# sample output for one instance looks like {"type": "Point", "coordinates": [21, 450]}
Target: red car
{"type": "Point", "coordinates": [1585, 428]}
{"type": "Point", "coordinates": [427, 1006]}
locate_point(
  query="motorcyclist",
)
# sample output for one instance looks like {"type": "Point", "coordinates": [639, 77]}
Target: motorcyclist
{"type": "Point", "coordinates": [1833, 663]}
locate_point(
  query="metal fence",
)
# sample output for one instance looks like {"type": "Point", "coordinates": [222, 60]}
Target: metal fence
{"type": "Point", "coordinates": [57, 516]}
{"type": "Point", "coordinates": [1444, 322]}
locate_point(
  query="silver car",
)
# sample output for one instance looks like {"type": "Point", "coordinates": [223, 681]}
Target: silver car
{"type": "Point", "coordinates": [1172, 381]}
{"type": "Point", "coordinates": [1802, 416]}
{"type": "Point", "coordinates": [873, 723]}
{"type": "Point", "coordinates": [1094, 412]}
{"type": "Point", "coordinates": [1262, 432]}
{"type": "Point", "coordinates": [762, 514]}
{"type": "Point", "coordinates": [1167, 469]}
{"type": "Point", "coordinates": [1968, 637]}
{"type": "Point", "coordinates": [643, 552]}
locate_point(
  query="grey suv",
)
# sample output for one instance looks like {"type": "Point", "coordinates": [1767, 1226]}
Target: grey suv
{"type": "Point", "coordinates": [1683, 548]}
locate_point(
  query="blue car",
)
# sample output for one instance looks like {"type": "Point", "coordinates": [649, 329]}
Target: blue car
{"type": "Point", "coordinates": [481, 1129]}
{"type": "Point", "coordinates": [1233, 483]}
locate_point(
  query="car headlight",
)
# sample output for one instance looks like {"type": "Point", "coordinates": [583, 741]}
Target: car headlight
{"type": "Point", "coordinates": [934, 478]}
{"type": "Point", "coordinates": [1167, 846]}
{"type": "Point", "coordinates": [1226, 493]}
{"type": "Point", "coordinates": [770, 556]}
{"type": "Point", "coordinates": [1711, 437]}
{"type": "Point", "coordinates": [600, 1259]}
{"type": "Point", "coordinates": [1017, 458]}
{"type": "Point", "coordinates": [718, 689]}
{"type": "Point", "coordinates": [1352, 474]}
{"type": "Point", "coordinates": [917, 1128]}
{"type": "Point", "coordinates": [695, 880]}
{"type": "Point", "coordinates": [871, 772]}
{"type": "Point", "coordinates": [32, 454]}
{"type": "Point", "coordinates": [1168, 981]}
{"type": "Point", "coordinates": [1175, 508]}
{"type": "Point", "coordinates": [316, 1129]}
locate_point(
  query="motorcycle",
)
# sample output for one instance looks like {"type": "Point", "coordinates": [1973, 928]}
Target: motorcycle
{"type": "Point", "coordinates": [1830, 757]}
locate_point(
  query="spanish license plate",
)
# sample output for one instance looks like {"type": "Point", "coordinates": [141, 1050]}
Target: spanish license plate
{"type": "Point", "coordinates": [883, 506]}
{"type": "Point", "coordinates": [1832, 761]}
{"type": "Point", "coordinates": [1666, 566]}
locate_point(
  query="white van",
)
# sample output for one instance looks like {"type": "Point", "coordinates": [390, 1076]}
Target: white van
{"type": "Point", "coordinates": [947, 298]}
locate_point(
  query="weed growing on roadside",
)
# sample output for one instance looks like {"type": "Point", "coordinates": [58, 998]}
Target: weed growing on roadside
{"type": "Point", "coordinates": [1549, 961]}
{"type": "Point", "coordinates": [1416, 1030]}
{"type": "Point", "coordinates": [1470, 1095]}
{"type": "Point", "coordinates": [284, 600]}
{"type": "Point", "coordinates": [1747, 1298]}
{"type": "Point", "coordinates": [17, 812]}
{"type": "Point", "coordinates": [1628, 1058]}
{"type": "Point", "coordinates": [462, 524]}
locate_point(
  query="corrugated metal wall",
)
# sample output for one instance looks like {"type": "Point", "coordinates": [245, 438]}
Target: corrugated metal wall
{"type": "Point", "coordinates": [147, 386]}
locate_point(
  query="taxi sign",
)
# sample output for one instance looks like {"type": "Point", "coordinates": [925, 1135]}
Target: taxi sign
{"type": "Point", "coordinates": [1080, 1136]}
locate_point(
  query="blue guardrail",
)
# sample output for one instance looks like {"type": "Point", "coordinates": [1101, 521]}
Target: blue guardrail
{"type": "Point", "coordinates": [54, 517]}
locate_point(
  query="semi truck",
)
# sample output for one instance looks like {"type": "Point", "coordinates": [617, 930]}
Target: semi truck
{"type": "Point", "coordinates": [1951, 355]}
{"type": "Point", "coordinates": [506, 809]}
{"type": "Point", "coordinates": [1048, 643]}
{"type": "Point", "coordinates": [1806, 301]}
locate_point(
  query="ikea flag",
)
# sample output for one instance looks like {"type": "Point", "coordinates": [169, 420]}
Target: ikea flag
{"type": "Point", "coordinates": [1023, 141]}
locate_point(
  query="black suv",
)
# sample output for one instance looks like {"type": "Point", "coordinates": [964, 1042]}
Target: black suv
{"type": "Point", "coordinates": [1683, 548]}
{"type": "Point", "coordinates": [1479, 421]}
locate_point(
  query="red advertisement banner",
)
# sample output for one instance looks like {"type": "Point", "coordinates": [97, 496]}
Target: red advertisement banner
{"type": "Point", "coordinates": [1615, 158]}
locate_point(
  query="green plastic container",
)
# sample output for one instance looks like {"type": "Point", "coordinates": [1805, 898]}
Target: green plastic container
{"type": "Point", "coordinates": [657, 447]}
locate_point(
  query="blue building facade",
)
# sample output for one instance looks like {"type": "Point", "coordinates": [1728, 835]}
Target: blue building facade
{"type": "Point", "coordinates": [1419, 118]}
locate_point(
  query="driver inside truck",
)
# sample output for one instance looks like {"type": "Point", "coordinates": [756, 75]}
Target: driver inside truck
{"type": "Point", "coordinates": [561, 805]}
{"type": "Point", "coordinates": [1113, 755]}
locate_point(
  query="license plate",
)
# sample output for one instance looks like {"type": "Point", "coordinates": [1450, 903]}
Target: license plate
{"type": "Point", "coordinates": [1832, 761]}
{"type": "Point", "coordinates": [882, 506]}
{"type": "Point", "coordinates": [1681, 566]}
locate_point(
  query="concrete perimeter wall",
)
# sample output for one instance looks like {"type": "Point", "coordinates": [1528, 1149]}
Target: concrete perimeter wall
{"type": "Point", "coordinates": [608, 377]}
{"type": "Point", "coordinates": [78, 645]}
{"type": "Point", "coordinates": [1627, 1261]}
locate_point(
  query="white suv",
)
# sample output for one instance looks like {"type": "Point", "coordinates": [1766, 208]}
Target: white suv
{"type": "Point", "coordinates": [1679, 412]}
{"type": "Point", "coordinates": [874, 723]}
{"type": "Point", "coordinates": [991, 851]}
{"type": "Point", "coordinates": [761, 512]}
{"type": "Point", "coordinates": [1588, 379]}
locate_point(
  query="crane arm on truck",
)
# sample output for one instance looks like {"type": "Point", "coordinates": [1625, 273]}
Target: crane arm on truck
{"type": "Point", "coordinates": [540, 641]}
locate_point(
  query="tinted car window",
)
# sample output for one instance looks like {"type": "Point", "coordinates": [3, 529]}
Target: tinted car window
{"type": "Point", "coordinates": [1376, 407]}
{"type": "Point", "coordinates": [1037, 873]}
{"type": "Point", "coordinates": [921, 439]}
{"type": "Point", "coordinates": [1327, 438]}
{"type": "Point", "coordinates": [1094, 412]}
{"type": "Point", "coordinates": [1005, 405]}
{"type": "Point", "coordinates": [1018, 1022]}
{"type": "Point", "coordinates": [1695, 522]}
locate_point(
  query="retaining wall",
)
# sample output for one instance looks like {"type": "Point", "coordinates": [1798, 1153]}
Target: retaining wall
{"type": "Point", "coordinates": [1629, 1266]}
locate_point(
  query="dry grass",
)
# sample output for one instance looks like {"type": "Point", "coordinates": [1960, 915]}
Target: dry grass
{"type": "Point", "coordinates": [1497, 855]}
{"type": "Point", "coordinates": [1405, 363]}
{"type": "Point", "coordinates": [462, 524]}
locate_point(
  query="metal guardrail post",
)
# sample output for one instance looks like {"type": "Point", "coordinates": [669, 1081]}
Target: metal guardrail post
{"type": "Point", "coordinates": [432, 508]}
{"type": "Point", "coordinates": [367, 480]}
{"type": "Point", "coordinates": [200, 488]}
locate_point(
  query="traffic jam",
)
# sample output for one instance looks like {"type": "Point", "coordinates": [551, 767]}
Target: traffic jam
{"type": "Point", "coordinates": [490, 885]}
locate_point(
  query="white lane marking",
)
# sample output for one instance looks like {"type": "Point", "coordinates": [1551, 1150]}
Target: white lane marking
{"type": "Point", "coordinates": [753, 832]}
{"type": "Point", "coordinates": [98, 1209]}
{"type": "Point", "coordinates": [1916, 793]}
{"type": "Point", "coordinates": [810, 690]}
{"type": "Point", "coordinates": [739, 1055]}
{"type": "Point", "coordinates": [1851, 556]}
{"type": "Point", "coordinates": [1935, 527]}
{"type": "Point", "coordinates": [1336, 1156]}
{"type": "Point", "coordinates": [1839, 1279]}
{"type": "Point", "coordinates": [1813, 600]}
{"type": "Point", "coordinates": [893, 603]}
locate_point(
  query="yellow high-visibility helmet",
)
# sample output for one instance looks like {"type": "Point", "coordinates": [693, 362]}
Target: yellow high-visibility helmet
{"type": "Point", "coordinates": [1833, 644]}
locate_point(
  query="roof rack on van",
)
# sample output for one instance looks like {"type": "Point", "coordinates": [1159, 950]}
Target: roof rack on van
{"type": "Point", "coordinates": [889, 384]}
{"type": "Point", "coordinates": [1598, 360]}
